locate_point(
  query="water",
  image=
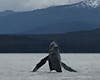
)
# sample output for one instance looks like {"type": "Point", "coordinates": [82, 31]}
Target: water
{"type": "Point", "coordinates": [19, 67]}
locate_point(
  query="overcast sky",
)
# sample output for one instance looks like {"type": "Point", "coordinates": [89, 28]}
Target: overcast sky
{"type": "Point", "coordinates": [24, 5]}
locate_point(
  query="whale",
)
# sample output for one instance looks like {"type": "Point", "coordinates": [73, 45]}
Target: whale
{"type": "Point", "coordinates": [54, 60]}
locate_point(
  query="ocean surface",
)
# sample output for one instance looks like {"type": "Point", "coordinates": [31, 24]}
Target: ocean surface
{"type": "Point", "coordinates": [19, 67]}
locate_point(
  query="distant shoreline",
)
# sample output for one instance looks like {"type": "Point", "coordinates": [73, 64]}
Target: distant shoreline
{"type": "Point", "coordinates": [72, 42]}
{"type": "Point", "coordinates": [47, 53]}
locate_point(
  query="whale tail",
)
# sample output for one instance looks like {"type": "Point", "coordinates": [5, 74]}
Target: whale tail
{"type": "Point", "coordinates": [67, 67]}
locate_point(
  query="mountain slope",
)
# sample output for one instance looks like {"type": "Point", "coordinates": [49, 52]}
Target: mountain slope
{"type": "Point", "coordinates": [71, 42]}
{"type": "Point", "coordinates": [56, 19]}
{"type": "Point", "coordinates": [6, 12]}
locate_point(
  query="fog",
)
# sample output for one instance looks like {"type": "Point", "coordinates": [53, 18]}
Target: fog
{"type": "Point", "coordinates": [26, 5]}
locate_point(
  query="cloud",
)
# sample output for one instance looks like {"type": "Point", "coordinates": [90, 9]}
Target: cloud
{"type": "Point", "coordinates": [23, 5]}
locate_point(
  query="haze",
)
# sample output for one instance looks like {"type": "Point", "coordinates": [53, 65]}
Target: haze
{"type": "Point", "coordinates": [26, 5]}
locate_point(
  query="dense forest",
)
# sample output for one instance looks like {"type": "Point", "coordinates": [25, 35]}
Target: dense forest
{"type": "Point", "coordinates": [72, 42]}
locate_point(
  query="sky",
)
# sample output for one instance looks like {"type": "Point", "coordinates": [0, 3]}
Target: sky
{"type": "Point", "coordinates": [26, 5]}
